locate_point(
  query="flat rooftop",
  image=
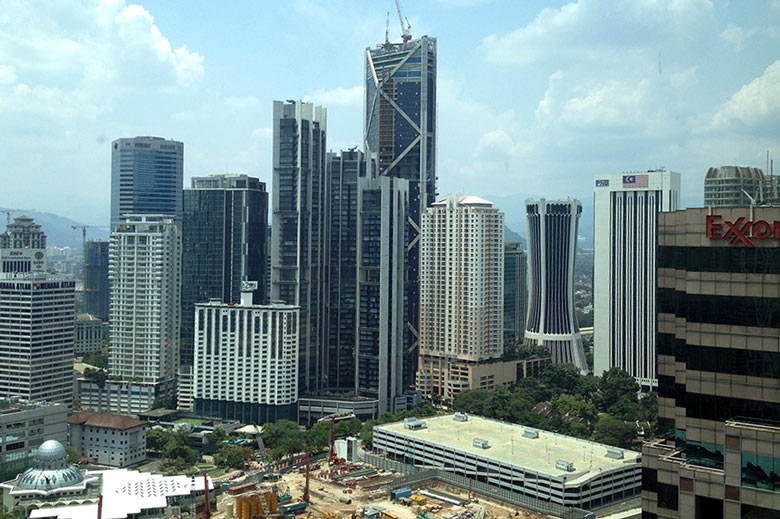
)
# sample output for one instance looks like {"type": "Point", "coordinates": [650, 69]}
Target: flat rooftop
{"type": "Point", "coordinates": [508, 445]}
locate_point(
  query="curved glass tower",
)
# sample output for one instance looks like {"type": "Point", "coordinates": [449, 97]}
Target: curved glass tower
{"type": "Point", "coordinates": [552, 245]}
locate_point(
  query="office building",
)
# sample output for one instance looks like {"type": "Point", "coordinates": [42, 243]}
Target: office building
{"type": "Point", "coordinates": [383, 205]}
{"type": "Point", "coordinates": [626, 208]}
{"type": "Point", "coordinates": [718, 366]}
{"type": "Point", "coordinates": [113, 440]}
{"type": "Point", "coordinates": [462, 290]}
{"type": "Point", "coordinates": [400, 137]}
{"type": "Point", "coordinates": [552, 247]}
{"type": "Point", "coordinates": [147, 175]}
{"type": "Point", "coordinates": [223, 231]}
{"type": "Point", "coordinates": [246, 360]}
{"type": "Point", "coordinates": [24, 426]}
{"type": "Point", "coordinates": [37, 312]}
{"type": "Point", "coordinates": [89, 336]}
{"type": "Point", "coordinates": [54, 489]}
{"type": "Point", "coordinates": [733, 186]}
{"type": "Point", "coordinates": [515, 292]}
{"type": "Point", "coordinates": [530, 462]}
{"type": "Point", "coordinates": [96, 291]}
{"type": "Point", "coordinates": [344, 170]}
{"type": "Point", "coordinates": [145, 272]}
{"type": "Point", "coordinates": [298, 268]}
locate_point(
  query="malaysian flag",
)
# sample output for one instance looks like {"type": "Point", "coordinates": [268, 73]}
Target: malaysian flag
{"type": "Point", "coordinates": [634, 181]}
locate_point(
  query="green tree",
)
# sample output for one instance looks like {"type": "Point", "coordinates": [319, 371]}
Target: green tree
{"type": "Point", "coordinates": [175, 448]}
{"type": "Point", "coordinates": [157, 438]}
{"type": "Point", "coordinates": [74, 456]}
{"type": "Point", "coordinates": [97, 376]}
{"type": "Point", "coordinates": [11, 513]}
{"type": "Point", "coordinates": [316, 439]}
{"type": "Point", "coordinates": [367, 434]}
{"type": "Point", "coordinates": [574, 405]}
{"type": "Point", "coordinates": [562, 378]}
{"type": "Point", "coordinates": [616, 383]}
{"type": "Point", "coordinates": [471, 401]}
{"type": "Point", "coordinates": [613, 431]}
{"type": "Point", "coordinates": [626, 408]}
{"type": "Point", "coordinates": [230, 456]}
{"type": "Point", "coordinates": [99, 360]}
{"type": "Point", "coordinates": [349, 427]}
{"type": "Point", "coordinates": [648, 408]}
{"type": "Point", "coordinates": [163, 403]}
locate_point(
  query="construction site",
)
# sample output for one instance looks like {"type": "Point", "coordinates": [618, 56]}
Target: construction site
{"type": "Point", "coordinates": [365, 486]}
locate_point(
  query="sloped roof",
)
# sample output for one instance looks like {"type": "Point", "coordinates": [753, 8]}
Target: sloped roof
{"type": "Point", "coordinates": [105, 420]}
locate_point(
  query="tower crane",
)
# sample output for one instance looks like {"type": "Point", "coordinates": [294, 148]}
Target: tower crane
{"type": "Point", "coordinates": [407, 29]}
{"type": "Point", "coordinates": [9, 211]}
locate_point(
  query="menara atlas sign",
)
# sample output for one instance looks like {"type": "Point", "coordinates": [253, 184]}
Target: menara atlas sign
{"type": "Point", "coordinates": [741, 230]}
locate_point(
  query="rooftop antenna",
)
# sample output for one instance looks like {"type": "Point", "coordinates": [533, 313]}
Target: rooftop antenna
{"type": "Point", "coordinates": [387, 29]}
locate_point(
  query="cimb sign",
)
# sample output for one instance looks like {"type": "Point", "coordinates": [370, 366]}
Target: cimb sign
{"type": "Point", "coordinates": [741, 230]}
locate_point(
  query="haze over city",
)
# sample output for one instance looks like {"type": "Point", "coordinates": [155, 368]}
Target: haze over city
{"type": "Point", "coordinates": [534, 97]}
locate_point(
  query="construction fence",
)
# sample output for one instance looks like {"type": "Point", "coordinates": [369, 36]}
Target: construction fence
{"type": "Point", "coordinates": [415, 477]}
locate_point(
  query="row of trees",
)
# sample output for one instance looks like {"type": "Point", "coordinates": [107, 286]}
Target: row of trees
{"type": "Point", "coordinates": [588, 407]}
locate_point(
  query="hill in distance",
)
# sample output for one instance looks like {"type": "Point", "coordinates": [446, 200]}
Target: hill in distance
{"type": "Point", "coordinates": [58, 229]}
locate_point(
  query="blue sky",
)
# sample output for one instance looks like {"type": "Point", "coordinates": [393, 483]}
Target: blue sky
{"type": "Point", "coordinates": [534, 97]}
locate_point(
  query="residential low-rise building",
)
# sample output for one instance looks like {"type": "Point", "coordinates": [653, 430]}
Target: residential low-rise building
{"type": "Point", "coordinates": [23, 427]}
{"type": "Point", "coordinates": [108, 439]}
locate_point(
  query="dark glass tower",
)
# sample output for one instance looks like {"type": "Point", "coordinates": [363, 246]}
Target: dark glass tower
{"type": "Point", "coordinates": [298, 254]}
{"type": "Point", "coordinates": [400, 135]}
{"type": "Point", "coordinates": [515, 292]}
{"type": "Point", "coordinates": [96, 292]}
{"type": "Point", "coordinates": [343, 173]}
{"type": "Point", "coordinates": [146, 177]}
{"type": "Point", "coordinates": [224, 239]}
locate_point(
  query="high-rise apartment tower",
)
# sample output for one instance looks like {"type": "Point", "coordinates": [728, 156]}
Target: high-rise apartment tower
{"type": "Point", "coordinates": [146, 177]}
{"type": "Point", "coordinates": [299, 228]}
{"type": "Point", "coordinates": [552, 248]}
{"type": "Point", "coordinates": [624, 271]}
{"type": "Point", "coordinates": [515, 292]}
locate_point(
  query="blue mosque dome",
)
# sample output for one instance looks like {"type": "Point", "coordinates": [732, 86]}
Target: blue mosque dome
{"type": "Point", "coordinates": [50, 470]}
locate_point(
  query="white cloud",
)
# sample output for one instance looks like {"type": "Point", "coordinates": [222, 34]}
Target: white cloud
{"type": "Point", "coordinates": [756, 106]}
{"type": "Point", "coordinates": [735, 36]}
{"type": "Point", "coordinates": [262, 134]}
{"type": "Point", "coordinates": [338, 96]}
{"type": "Point", "coordinates": [7, 75]}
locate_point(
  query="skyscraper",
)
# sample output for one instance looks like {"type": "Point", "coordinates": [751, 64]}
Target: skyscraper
{"type": "Point", "coordinates": [733, 186]}
{"type": "Point", "coordinates": [37, 315]}
{"type": "Point", "coordinates": [146, 177]}
{"type": "Point", "coordinates": [462, 291]}
{"type": "Point", "coordinates": [515, 292]}
{"type": "Point", "coordinates": [145, 273]}
{"type": "Point", "coordinates": [624, 280]}
{"type": "Point", "coordinates": [718, 366]}
{"type": "Point", "coordinates": [298, 252]}
{"type": "Point", "coordinates": [246, 360]}
{"type": "Point", "coordinates": [344, 171]}
{"type": "Point", "coordinates": [383, 206]}
{"type": "Point", "coordinates": [552, 248]}
{"type": "Point", "coordinates": [96, 290]}
{"type": "Point", "coordinates": [224, 233]}
{"type": "Point", "coordinates": [400, 136]}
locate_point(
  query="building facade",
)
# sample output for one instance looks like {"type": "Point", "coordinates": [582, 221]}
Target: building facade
{"type": "Point", "coordinates": [298, 254]}
{"type": "Point", "coordinates": [733, 186]}
{"type": "Point", "coordinates": [515, 292]}
{"type": "Point", "coordinates": [246, 361]}
{"type": "Point", "coordinates": [462, 290]}
{"type": "Point", "coordinates": [96, 290]}
{"type": "Point", "coordinates": [224, 233]}
{"type": "Point", "coordinates": [108, 439]}
{"type": "Point", "coordinates": [145, 272]}
{"type": "Point", "coordinates": [400, 136]}
{"type": "Point", "coordinates": [624, 269]}
{"type": "Point", "coordinates": [147, 175]}
{"type": "Point", "coordinates": [89, 335]}
{"type": "Point", "coordinates": [383, 205]}
{"type": "Point", "coordinates": [718, 366]}
{"type": "Point", "coordinates": [344, 172]}
{"type": "Point", "coordinates": [24, 426]}
{"type": "Point", "coordinates": [552, 248]}
{"type": "Point", "coordinates": [37, 313]}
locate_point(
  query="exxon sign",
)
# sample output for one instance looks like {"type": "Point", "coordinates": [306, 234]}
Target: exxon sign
{"type": "Point", "coordinates": [741, 230]}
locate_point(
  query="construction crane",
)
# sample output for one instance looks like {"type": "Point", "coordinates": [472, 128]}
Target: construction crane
{"type": "Point", "coordinates": [9, 211]}
{"type": "Point", "coordinates": [405, 30]}
{"type": "Point", "coordinates": [333, 459]}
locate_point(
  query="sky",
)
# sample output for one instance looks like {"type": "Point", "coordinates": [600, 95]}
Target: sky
{"type": "Point", "coordinates": [533, 97]}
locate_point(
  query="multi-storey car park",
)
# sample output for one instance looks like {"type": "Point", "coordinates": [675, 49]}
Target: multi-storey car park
{"type": "Point", "coordinates": [540, 464]}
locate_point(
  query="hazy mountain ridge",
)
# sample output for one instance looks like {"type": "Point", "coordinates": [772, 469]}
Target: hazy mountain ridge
{"type": "Point", "coordinates": [58, 229]}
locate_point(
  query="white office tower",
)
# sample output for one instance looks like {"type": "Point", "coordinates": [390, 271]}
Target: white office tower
{"type": "Point", "coordinates": [624, 278]}
{"type": "Point", "coordinates": [246, 360]}
{"type": "Point", "coordinates": [461, 290]}
{"type": "Point", "coordinates": [145, 275]}
{"type": "Point", "coordinates": [552, 249]}
{"type": "Point", "coordinates": [37, 314]}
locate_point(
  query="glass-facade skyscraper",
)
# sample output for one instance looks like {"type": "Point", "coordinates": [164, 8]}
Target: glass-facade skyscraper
{"type": "Point", "coordinates": [146, 177]}
{"type": "Point", "coordinates": [224, 235]}
{"type": "Point", "coordinates": [400, 135]}
{"type": "Point", "coordinates": [298, 253]}
{"type": "Point", "coordinates": [515, 292]}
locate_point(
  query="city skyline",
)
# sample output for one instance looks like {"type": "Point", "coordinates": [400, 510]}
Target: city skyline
{"type": "Point", "coordinates": [685, 87]}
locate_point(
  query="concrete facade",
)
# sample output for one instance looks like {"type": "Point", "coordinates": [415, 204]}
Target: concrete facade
{"type": "Point", "coordinates": [23, 427]}
{"type": "Point", "coordinates": [108, 439]}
